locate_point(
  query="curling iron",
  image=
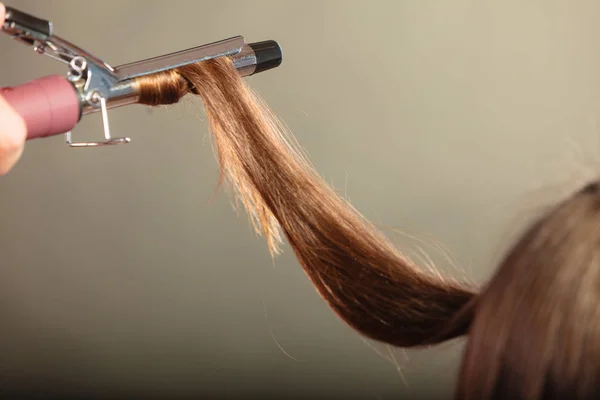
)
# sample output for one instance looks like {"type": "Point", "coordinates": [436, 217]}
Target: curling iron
{"type": "Point", "coordinates": [55, 104]}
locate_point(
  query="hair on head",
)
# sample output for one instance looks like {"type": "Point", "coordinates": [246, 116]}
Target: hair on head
{"type": "Point", "coordinates": [536, 329]}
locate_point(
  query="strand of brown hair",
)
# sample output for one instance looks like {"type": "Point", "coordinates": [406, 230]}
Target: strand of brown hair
{"type": "Point", "coordinates": [354, 267]}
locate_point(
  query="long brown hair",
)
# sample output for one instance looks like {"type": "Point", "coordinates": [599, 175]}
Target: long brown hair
{"type": "Point", "coordinates": [374, 288]}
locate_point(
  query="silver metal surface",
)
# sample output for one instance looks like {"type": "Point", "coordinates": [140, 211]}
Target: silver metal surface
{"type": "Point", "coordinates": [194, 55]}
{"type": "Point", "coordinates": [97, 98]}
{"type": "Point", "coordinates": [245, 61]}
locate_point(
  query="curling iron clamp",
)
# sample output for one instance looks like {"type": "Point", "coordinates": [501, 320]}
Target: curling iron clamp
{"type": "Point", "coordinates": [55, 104]}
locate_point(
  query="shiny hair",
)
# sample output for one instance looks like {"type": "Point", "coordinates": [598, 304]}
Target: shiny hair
{"type": "Point", "coordinates": [531, 333]}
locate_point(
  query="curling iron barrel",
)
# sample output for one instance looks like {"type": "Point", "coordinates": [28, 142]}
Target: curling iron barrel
{"type": "Point", "coordinates": [55, 104]}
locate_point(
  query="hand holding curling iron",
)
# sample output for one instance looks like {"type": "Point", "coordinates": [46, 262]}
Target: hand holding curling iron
{"type": "Point", "coordinates": [55, 104]}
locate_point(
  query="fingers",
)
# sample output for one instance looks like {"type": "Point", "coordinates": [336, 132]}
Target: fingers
{"type": "Point", "coordinates": [13, 131]}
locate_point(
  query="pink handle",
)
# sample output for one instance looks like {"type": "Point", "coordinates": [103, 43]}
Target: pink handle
{"type": "Point", "coordinates": [48, 105]}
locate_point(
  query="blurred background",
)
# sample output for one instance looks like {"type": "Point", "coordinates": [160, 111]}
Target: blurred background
{"type": "Point", "coordinates": [448, 123]}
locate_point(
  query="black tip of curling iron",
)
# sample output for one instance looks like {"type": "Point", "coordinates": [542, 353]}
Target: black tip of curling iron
{"type": "Point", "coordinates": [268, 55]}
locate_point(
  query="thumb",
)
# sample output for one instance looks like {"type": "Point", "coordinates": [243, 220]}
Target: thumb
{"type": "Point", "coordinates": [13, 133]}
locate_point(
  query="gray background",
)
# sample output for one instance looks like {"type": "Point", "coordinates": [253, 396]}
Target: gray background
{"type": "Point", "coordinates": [450, 121]}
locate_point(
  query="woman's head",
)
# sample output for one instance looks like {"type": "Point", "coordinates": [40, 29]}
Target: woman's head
{"type": "Point", "coordinates": [536, 327]}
